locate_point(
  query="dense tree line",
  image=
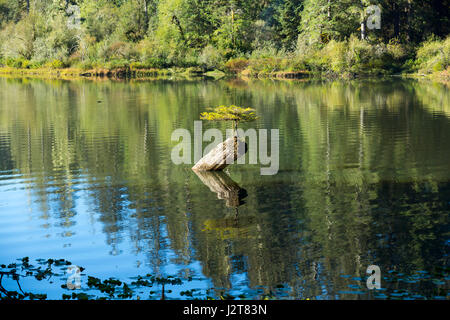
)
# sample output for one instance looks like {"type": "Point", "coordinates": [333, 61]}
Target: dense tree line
{"type": "Point", "coordinates": [162, 33]}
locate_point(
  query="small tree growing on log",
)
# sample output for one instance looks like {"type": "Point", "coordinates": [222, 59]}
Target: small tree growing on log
{"type": "Point", "coordinates": [232, 148]}
{"type": "Point", "coordinates": [230, 113]}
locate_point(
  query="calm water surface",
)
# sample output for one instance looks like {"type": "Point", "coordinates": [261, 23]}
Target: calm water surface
{"type": "Point", "coordinates": [86, 175]}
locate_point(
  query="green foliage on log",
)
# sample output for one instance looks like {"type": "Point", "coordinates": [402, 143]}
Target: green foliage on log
{"type": "Point", "coordinates": [230, 113]}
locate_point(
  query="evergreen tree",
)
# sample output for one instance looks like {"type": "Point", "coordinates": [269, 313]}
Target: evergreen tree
{"type": "Point", "coordinates": [288, 17]}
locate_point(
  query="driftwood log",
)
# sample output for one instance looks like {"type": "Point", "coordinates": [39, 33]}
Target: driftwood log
{"type": "Point", "coordinates": [222, 155]}
{"type": "Point", "coordinates": [225, 188]}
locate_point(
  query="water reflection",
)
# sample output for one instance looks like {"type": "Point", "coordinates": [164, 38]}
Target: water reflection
{"type": "Point", "coordinates": [225, 188]}
{"type": "Point", "coordinates": [364, 179]}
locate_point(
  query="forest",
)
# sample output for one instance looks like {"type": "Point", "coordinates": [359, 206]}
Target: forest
{"type": "Point", "coordinates": [252, 37]}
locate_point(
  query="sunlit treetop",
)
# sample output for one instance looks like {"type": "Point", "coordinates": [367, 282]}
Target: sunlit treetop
{"type": "Point", "coordinates": [230, 113]}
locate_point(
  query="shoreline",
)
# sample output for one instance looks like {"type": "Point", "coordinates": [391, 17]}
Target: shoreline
{"type": "Point", "coordinates": [104, 73]}
{"type": "Point", "coordinates": [153, 73]}
{"type": "Point", "coordinates": [196, 74]}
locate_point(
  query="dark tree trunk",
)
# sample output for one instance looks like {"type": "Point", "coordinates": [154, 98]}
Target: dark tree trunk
{"type": "Point", "coordinates": [178, 24]}
{"type": "Point", "coordinates": [396, 21]}
{"type": "Point", "coordinates": [409, 13]}
{"type": "Point", "coordinates": [363, 30]}
{"type": "Point", "coordinates": [146, 14]}
{"type": "Point", "coordinates": [329, 10]}
{"type": "Point", "coordinates": [441, 11]}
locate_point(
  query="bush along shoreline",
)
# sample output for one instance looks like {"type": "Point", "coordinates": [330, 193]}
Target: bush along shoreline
{"type": "Point", "coordinates": [336, 60]}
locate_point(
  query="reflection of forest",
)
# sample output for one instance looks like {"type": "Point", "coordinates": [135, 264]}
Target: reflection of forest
{"type": "Point", "coordinates": [364, 174]}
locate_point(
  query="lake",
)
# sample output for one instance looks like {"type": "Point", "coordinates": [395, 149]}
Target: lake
{"type": "Point", "coordinates": [364, 179]}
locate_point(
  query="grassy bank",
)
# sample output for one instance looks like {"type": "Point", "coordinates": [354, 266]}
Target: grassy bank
{"type": "Point", "coordinates": [113, 73]}
{"type": "Point", "coordinates": [337, 59]}
{"type": "Point", "coordinates": [349, 59]}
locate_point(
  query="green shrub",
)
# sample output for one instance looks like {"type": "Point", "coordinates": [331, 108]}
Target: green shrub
{"type": "Point", "coordinates": [187, 60]}
{"type": "Point", "coordinates": [397, 51]}
{"type": "Point", "coordinates": [116, 50]}
{"type": "Point", "coordinates": [156, 62]}
{"type": "Point", "coordinates": [351, 57]}
{"type": "Point", "coordinates": [265, 65]}
{"type": "Point", "coordinates": [334, 56]}
{"type": "Point", "coordinates": [297, 63]}
{"type": "Point", "coordinates": [433, 55]}
{"type": "Point", "coordinates": [85, 65]}
{"type": "Point", "coordinates": [136, 65]}
{"type": "Point", "coordinates": [74, 59]}
{"type": "Point", "coordinates": [35, 64]}
{"type": "Point", "coordinates": [267, 51]}
{"type": "Point", "coordinates": [150, 63]}
{"type": "Point", "coordinates": [211, 58]}
{"type": "Point", "coordinates": [236, 65]}
{"type": "Point", "coordinates": [55, 64]}
{"type": "Point", "coordinates": [20, 63]}
{"type": "Point", "coordinates": [117, 63]}
{"type": "Point", "coordinates": [359, 53]}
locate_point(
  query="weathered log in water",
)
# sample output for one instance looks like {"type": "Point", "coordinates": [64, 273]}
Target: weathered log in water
{"type": "Point", "coordinates": [222, 155]}
{"type": "Point", "coordinates": [225, 188]}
